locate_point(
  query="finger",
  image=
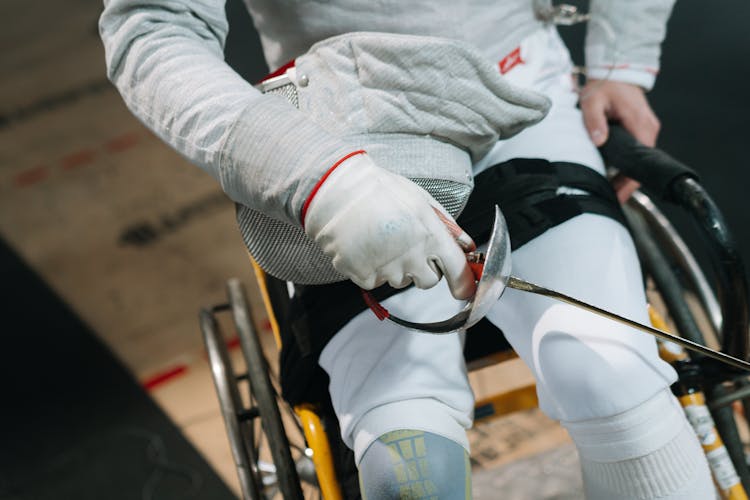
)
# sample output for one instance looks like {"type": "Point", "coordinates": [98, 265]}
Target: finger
{"type": "Point", "coordinates": [360, 273]}
{"type": "Point", "coordinates": [394, 274]}
{"type": "Point", "coordinates": [459, 235]}
{"type": "Point", "coordinates": [450, 259]}
{"type": "Point", "coordinates": [404, 280]}
{"type": "Point", "coordinates": [366, 283]}
{"type": "Point", "coordinates": [411, 267]}
{"type": "Point", "coordinates": [396, 277]}
{"type": "Point", "coordinates": [424, 275]}
{"type": "Point", "coordinates": [457, 274]}
{"type": "Point", "coordinates": [462, 237]}
{"type": "Point", "coordinates": [594, 109]}
{"type": "Point", "coordinates": [445, 254]}
{"type": "Point", "coordinates": [624, 187]}
{"type": "Point", "coordinates": [642, 123]}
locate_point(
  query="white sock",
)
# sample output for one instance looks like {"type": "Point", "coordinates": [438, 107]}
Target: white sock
{"type": "Point", "coordinates": [647, 452]}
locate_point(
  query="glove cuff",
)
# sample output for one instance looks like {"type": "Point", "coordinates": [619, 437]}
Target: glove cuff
{"type": "Point", "coordinates": [320, 182]}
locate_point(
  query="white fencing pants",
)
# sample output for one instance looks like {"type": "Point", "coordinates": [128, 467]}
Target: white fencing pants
{"type": "Point", "coordinates": [384, 377]}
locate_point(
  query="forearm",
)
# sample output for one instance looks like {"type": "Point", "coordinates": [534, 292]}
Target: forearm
{"type": "Point", "coordinates": [166, 59]}
{"type": "Point", "coordinates": [624, 38]}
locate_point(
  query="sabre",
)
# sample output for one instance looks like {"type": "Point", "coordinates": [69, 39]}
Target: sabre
{"type": "Point", "coordinates": [493, 269]}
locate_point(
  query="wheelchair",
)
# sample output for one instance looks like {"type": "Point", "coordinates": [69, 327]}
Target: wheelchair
{"type": "Point", "coordinates": [715, 396]}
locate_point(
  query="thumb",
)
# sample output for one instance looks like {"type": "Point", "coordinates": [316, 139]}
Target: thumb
{"type": "Point", "coordinates": [457, 272]}
{"type": "Point", "coordinates": [595, 119]}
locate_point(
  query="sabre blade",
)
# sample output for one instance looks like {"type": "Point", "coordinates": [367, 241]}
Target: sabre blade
{"type": "Point", "coordinates": [525, 286]}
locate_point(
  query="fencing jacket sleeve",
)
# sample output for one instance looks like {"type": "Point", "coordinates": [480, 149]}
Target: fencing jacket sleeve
{"type": "Point", "coordinates": [166, 59]}
{"type": "Point", "coordinates": [623, 41]}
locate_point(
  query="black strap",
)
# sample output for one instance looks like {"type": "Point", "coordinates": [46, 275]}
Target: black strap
{"type": "Point", "coordinates": [526, 191]}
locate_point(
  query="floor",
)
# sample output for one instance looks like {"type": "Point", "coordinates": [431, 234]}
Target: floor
{"type": "Point", "coordinates": [136, 240]}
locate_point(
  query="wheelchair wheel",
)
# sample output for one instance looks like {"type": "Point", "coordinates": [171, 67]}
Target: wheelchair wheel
{"type": "Point", "coordinates": [667, 260]}
{"type": "Point", "coordinates": [263, 395]}
{"type": "Point", "coordinates": [230, 402]}
{"type": "Point", "coordinates": [257, 419]}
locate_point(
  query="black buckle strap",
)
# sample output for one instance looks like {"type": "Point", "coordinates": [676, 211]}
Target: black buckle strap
{"type": "Point", "coordinates": [528, 191]}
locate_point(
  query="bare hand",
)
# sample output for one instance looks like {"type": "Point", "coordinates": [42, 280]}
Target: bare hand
{"type": "Point", "coordinates": [603, 101]}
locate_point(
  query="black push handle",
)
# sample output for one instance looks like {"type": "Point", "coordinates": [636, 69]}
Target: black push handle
{"type": "Point", "coordinates": [675, 182]}
{"type": "Point", "coordinates": [653, 168]}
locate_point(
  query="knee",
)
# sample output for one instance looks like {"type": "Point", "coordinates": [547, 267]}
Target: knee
{"type": "Point", "coordinates": [414, 464]}
{"type": "Point", "coordinates": [571, 367]}
{"type": "Point", "coordinates": [597, 377]}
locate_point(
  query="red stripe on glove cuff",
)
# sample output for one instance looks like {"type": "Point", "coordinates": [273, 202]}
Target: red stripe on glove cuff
{"type": "Point", "coordinates": [317, 186]}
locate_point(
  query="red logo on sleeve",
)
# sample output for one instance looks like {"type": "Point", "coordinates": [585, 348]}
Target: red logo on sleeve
{"type": "Point", "coordinates": [511, 61]}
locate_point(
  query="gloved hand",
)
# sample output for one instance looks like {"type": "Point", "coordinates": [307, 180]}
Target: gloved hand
{"type": "Point", "coordinates": [380, 227]}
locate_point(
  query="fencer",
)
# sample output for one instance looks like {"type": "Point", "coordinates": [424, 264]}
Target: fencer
{"type": "Point", "coordinates": [401, 104]}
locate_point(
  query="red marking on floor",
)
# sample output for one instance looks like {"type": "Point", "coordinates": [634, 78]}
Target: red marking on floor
{"type": "Point", "coordinates": [122, 142]}
{"type": "Point", "coordinates": [77, 159]}
{"type": "Point", "coordinates": [233, 343]}
{"type": "Point", "coordinates": [266, 324]}
{"type": "Point", "coordinates": [165, 376]}
{"type": "Point", "coordinates": [31, 176]}
{"type": "Point", "coordinates": [82, 157]}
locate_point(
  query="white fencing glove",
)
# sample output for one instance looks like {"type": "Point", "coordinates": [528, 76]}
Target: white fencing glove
{"type": "Point", "coordinates": [380, 227]}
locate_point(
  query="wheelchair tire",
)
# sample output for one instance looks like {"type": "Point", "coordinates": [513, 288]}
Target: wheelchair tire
{"type": "Point", "coordinates": [230, 403]}
{"type": "Point", "coordinates": [668, 276]}
{"type": "Point", "coordinates": [263, 394]}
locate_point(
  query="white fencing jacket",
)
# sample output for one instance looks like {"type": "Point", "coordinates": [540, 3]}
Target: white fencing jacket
{"type": "Point", "coordinates": [166, 59]}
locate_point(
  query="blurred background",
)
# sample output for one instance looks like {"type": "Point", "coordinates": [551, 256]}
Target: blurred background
{"type": "Point", "coordinates": [110, 243]}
